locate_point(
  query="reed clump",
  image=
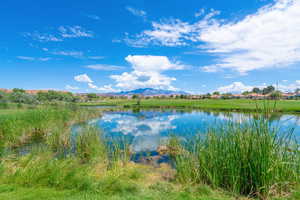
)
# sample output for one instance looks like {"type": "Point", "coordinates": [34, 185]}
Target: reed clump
{"type": "Point", "coordinates": [253, 159]}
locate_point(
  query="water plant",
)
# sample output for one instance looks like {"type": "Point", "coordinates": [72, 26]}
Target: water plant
{"type": "Point", "coordinates": [253, 158]}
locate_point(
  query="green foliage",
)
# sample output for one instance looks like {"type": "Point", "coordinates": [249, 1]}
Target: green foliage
{"type": "Point", "coordinates": [250, 159]}
{"type": "Point", "coordinates": [22, 97]}
{"type": "Point", "coordinates": [92, 96]}
{"type": "Point", "coordinates": [276, 95]}
{"type": "Point", "coordinates": [44, 170]}
{"type": "Point", "coordinates": [268, 90]}
{"type": "Point", "coordinates": [18, 90]}
{"type": "Point", "coordinates": [256, 90]}
{"type": "Point", "coordinates": [89, 145]}
{"type": "Point", "coordinates": [243, 105]}
{"type": "Point", "coordinates": [56, 96]}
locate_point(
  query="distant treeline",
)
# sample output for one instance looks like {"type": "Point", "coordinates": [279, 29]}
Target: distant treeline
{"type": "Point", "coordinates": [21, 96]}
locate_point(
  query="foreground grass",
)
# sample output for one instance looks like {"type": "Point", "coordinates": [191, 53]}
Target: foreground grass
{"type": "Point", "coordinates": [231, 162]}
{"type": "Point", "coordinates": [160, 191]}
{"type": "Point", "coordinates": [291, 106]}
{"type": "Point", "coordinates": [251, 159]}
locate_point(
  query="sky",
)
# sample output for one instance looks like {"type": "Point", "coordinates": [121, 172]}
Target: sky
{"type": "Point", "coordinates": [197, 46]}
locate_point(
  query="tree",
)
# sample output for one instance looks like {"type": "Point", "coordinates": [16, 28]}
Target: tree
{"type": "Point", "coordinates": [22, 97]}
{"type": "Point", "coordinates": [276, 95]}
{"type": "Point", "coordinates": [92, 96]}
{"type": "Point", "coordinates": [297, 91]}
{"type": "Point", "coordinates": [246, 93]}
{"type": "Point", "coordinates": [256, 90]}
{"type": "Point", "coordinates": [18, 90]}
{"type": "Point", "coordinates": [56, 96]}
{"type": "Point", "coordinates": [268, 90]}
{"type": "Point", "coordinates": [2, 95]}
{"type": "Point", "coordinates": [135, 96]}
{"type": "Point", "coordinates": [216, 93]}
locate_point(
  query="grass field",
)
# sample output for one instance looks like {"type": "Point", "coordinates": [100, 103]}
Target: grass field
{"type": "Point", "coordinates": [291, 106]}
{"type": "Point", "coordinates": [236, 162]}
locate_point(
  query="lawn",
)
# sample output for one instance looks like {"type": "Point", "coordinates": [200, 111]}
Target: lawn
{"type": "Point", "coordinates": [291, 106]}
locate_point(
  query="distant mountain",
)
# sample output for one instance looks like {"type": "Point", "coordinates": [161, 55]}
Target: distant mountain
{"type": "Point", "coordinates": [149, 92]}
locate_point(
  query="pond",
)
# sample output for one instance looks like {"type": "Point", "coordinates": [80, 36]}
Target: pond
{"type": "Point", "coordinates": [146, 130]}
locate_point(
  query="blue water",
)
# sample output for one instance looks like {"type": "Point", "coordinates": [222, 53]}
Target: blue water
{"type": "Point", "coordinates": [147, 130]}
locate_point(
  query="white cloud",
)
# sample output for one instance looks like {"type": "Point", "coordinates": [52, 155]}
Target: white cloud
{"type": "Point", "coordinates": [239, 87]}
{"type": "Point", "coordinates": [69, 87]}
{"type": "Point", "coordinates": [147, 72]}
{"type": "Point", "coordinates": [235, 87]}
{"type": "Point", "coordinates": [33, 58]}
{"type": "Point", "coordinates": [92, 86]}
{"type": "Point", "coordinates": [107, 89]}
{"type": "Point", "coordinates": [210, 68]}
{"type": "Point", "coordinates": [268, 38]}
{"type": "Point", "coordinates": [95, 17]}
{"type": "Point", "coordinates": [145, 63]}
{"type": "Point", "coordinates": [84, 78]}
{"type": "Point", "coordinates": [26, 58]}
{"type": "Point", "coordinates": [104, 89]}
{"type": "Point", "coordinates": [289, 87]}
{"type": "Point", "coordinates": [74, 32]}
{"type": "Point", "coordinates": [200, 12]}
{"type": "Point", "coordinates": [104, 67]}
{"type": "Point", "coordinates": [75, 54]}
{"type": "Point", "coordinates": [95, 57]}
{"type": "Point", "coordinates": [173, 32]}
{"type": "Point", "coordinates": [136, 12]}
{"type": "Point", "coordinates": [61, 33]}
{"type": "Point", "coordinates": [43, 37]}
{"type": "Point", "coordinates": [169, 33]}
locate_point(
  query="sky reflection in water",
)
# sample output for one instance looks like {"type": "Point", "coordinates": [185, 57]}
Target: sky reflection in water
{"type": "Point", "coordinates": [146, 130]}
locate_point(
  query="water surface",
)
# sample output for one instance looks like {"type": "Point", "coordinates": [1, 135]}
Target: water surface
{"type": "Point", "coordinates": [146, 130]}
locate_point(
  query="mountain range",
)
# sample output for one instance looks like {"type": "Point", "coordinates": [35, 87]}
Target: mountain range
{"type": "Point", "coordinates": [149, 92]}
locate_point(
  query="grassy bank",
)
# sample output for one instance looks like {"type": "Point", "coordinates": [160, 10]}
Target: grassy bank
{"type": "Point", "coordinates": [229, 162]}
{"type": "Point", "coordinates": [251, 159]}
{"type": "Point", "coordinates": [54, 167]}
{"type": "Point", "coordinates": [288, 106]}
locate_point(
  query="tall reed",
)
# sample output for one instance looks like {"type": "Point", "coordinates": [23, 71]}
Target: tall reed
{"type": "Point", "coordinates": [253, 158]}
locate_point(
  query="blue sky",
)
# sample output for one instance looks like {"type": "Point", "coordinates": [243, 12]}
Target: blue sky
{"type": "Point", "coordinates": [106, 46]}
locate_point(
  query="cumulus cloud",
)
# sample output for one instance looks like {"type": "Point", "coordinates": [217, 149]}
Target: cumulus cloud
{"type": "Point", "coordinates": [83, 78]}
{"type": "Point", "coordinates": [104, 89]}
{"type": "Point", "coordinates": [103, 67]}
{"type": "Point", "coordinates": [235, 87]}
{"type": "Point", "coordinates": [147, 72]}
{"type": "Point", "coordinates": [262, 40]}
{"type": "Point", "coordinates": [239, 87]}
{"type": "Point", "coordinates": [69, 87]}
{"type": "Point", "coordinates": [268, 38]}
{"type": "Point", "coordinates": [136, 12]}
{"type": "Point", "coordinates": [200, 13]}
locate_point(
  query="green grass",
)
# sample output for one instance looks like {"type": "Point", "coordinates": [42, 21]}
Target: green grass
{"type": "Point", "coordinates": [292, 106]}
{"type": "Point", "coordinates": [20, 126]}
{"type": "Point", "coordinates": [161, 191]}
{"type": "Point", "coordinates": [231, 162]}
{"type": "Point", "coordinates": [250, 159]}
